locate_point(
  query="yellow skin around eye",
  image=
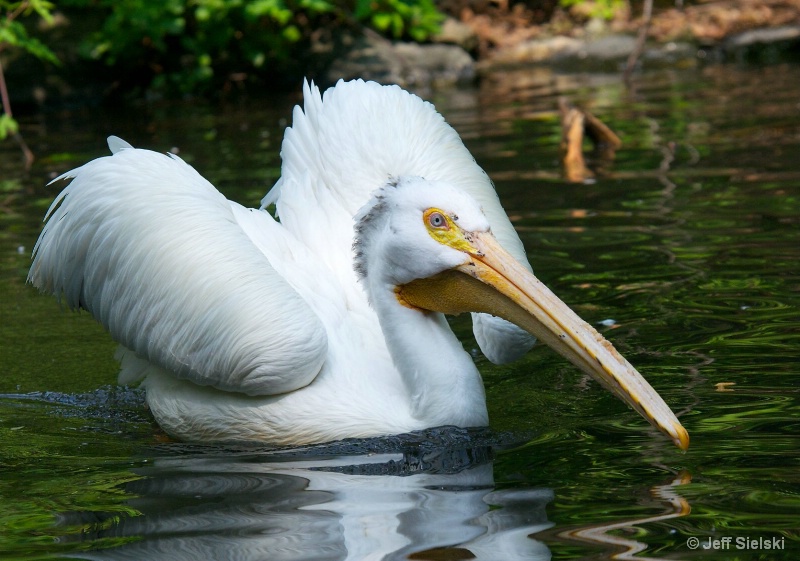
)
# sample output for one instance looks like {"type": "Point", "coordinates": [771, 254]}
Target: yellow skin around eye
{"type": "Point", "coordinates": [449, 233]}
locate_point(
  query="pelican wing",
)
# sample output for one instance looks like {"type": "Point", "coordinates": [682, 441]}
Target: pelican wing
{"type": "Point", "coordinates": [154, 252]}
{"type": "Point", "coordinates": [351, 141]}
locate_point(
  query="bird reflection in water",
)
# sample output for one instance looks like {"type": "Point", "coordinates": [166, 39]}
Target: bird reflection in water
{"type": "Point", "coordinates": [428, 495]}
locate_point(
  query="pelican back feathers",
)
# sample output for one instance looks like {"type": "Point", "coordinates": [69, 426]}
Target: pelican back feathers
{"type": "Point", "coordinates": [153, 251]}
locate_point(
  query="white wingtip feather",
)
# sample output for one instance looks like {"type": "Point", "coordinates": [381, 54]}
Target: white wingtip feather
{"type": "Point", "coordinates": [116, 144]}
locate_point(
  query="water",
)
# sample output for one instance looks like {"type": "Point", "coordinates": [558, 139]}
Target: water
{"type": "Point", "coordinates": [686, 248]}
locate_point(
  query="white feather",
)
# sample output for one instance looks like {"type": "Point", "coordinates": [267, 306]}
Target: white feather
{"type": "Point", "coordinates": [115, 144]}
{"type": "Point", "coordinates": [153, 252]}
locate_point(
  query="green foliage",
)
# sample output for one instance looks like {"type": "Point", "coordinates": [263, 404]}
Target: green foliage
{"type": "Point", "coordinates": [604, 9]}
{"type": "Point", "coordinates": [418, 19]}
{"type": "Point", "coordinates": [182, 42]}
{"type": "Point", "coordinates": [13, 34]}
{"type": "Point", "coordinates": [186, 46]}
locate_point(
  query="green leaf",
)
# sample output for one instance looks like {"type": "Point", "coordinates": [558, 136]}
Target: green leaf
{"type": "Point", "coordinates": [273, 9]}
{"type": "Point", "coordinates": [397, 25]}
{"type": "Point", "coordinates": [291, 33]}
{"type": "Point", "coordinates": [8, 126]}
{"type": "Point", "coordinates": [382, 21]}
{"type": "Point", "coordinates": [364, 9]}
{"type": "Point", "coordinates": [317, 6]}
{"type": "Point", "coordinates": [43, 9]}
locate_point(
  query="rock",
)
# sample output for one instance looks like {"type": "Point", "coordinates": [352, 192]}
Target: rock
{"type": "Point", "coordinates": [609, 47]}
{"type": "Point", "coordinates": [561, 49]}
{"type": "Point", "coordinates": [411, 65]}
{"type": "Point", "coordinates": [607, 51]}
{"type": "Point", "coordinates": [457, 33]}
{"type": "Point", "coordinates": [763, 36]}
{"type": "Point", "coordinates": [538, 50]}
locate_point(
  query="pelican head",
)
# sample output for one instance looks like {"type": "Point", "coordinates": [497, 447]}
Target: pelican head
{"type": "Point", "coordinates": [426, 246]}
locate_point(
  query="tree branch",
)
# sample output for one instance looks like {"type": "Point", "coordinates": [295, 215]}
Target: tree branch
{"type": "Point", "coordinates": [26, 152]}
{"type": "Point", "coordinates": [641, 38]}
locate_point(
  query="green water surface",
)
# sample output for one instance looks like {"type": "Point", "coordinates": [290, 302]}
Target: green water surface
{"type": "Point", "coordinates": [687, 249]}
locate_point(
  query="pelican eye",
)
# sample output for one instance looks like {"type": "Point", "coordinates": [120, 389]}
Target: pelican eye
{"type": "Point", "coordinates": [443, 228]}
{"type": "Point", "coordinates": [437, 220]}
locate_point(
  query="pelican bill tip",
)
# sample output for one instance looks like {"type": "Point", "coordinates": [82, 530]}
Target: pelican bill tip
{"type": "Point", "coordinates": [680, 436]}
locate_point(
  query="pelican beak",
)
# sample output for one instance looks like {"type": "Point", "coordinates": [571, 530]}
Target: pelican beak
{"type": "Point", "coordinates": [494, 282]}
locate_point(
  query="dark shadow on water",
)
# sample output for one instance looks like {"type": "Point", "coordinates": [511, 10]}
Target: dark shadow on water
{"type": "Point", "coordinates": [104, 403]}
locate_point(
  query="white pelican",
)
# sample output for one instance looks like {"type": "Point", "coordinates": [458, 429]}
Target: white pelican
{"type": "Point", "coordinates": [327, 323]}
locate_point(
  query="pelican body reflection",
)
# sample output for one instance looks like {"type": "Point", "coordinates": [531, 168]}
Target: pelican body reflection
{"type": "Point", "coordinates": [420, 500]}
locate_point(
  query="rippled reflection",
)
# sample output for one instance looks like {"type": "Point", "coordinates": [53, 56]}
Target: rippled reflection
{"type": "Point", "coordinates": [423, 504]}
{"type": "Point", "coordinates": [630, 548]}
